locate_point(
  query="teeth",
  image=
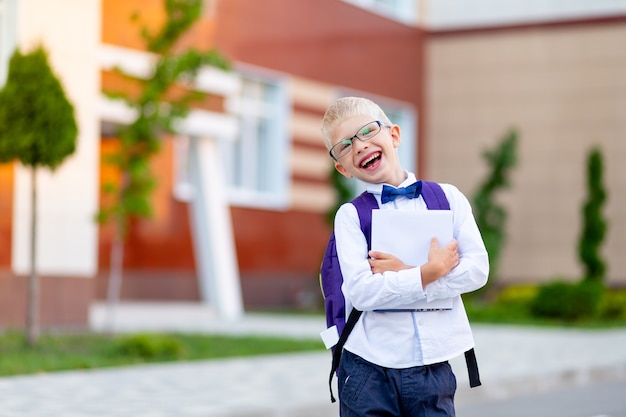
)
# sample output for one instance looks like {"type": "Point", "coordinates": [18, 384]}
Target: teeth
{"type": "Point", "coordinates": [370, 159]}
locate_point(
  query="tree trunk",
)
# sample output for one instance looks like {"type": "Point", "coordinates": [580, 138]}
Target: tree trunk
{"type": "Point", "coordinates": [32, 315]}
{"type": "Point", "coordinates": [115, 279]}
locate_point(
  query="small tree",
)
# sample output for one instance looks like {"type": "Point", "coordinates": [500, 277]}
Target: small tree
{"type": "Point", "coordinates": [37, 127]}
{"type": "Point", "coordinates": [159, 105]}
{"type": "Point", "coordinates": [594, 223]}
{"type": "Point", "coordinates": [491, 216]}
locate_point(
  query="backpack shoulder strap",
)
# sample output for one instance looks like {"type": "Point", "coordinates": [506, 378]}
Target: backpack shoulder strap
{"type": "Point", "coordinates": [365, 203]}
{"type": "Point", "coordinates": [434, 197]}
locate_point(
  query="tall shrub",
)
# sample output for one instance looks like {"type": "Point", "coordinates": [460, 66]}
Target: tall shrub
{"type": "Point", "coordinates": [160, 103]}
{"type": "Point", "coordinates": [594, 224]}
{"type": "Point", "coordinates": [490, 215]}
{"type": "Point", "coordinates": [38, 128]}
{"type": "Point", "coordinates": [579, 300]}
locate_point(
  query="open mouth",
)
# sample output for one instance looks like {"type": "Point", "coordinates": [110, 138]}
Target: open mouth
{"type": "Point", "coordinates": [371, 160]}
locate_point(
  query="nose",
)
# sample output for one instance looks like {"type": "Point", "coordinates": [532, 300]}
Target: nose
{"type": "Point", "coordinates": [359, 146]}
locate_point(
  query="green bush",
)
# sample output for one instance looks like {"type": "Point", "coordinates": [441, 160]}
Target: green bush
{"type": "Point", "coordinates": [146, 346]}
{"type": "Point", "coordinates": [567, 301]}
{"type": "Point", "coordinates": [517, 294]}
{"type": "Point", "coordinates": [613, 305]}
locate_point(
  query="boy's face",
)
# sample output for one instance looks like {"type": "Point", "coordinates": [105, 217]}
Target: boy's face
{"type": "Point", "coordinates": [374, 161]}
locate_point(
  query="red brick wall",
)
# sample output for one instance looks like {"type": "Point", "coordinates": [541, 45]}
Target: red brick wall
{"type": "Point", "coordinates": [64, 302]}
{"type": "Point", "coordinates": [6, 214]}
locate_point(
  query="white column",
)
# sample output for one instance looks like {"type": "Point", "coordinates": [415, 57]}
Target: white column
{"type": "Point", "coordinates": [214, 243]}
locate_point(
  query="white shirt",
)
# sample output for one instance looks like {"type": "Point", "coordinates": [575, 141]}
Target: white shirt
{"type": "Point", "coordinates": [406, 339]}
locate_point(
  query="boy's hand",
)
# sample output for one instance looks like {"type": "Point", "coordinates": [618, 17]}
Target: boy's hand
{"type": "Point", "coordinates": [440, 261]}
{"type": "Point", "coordinates": [381, 262]}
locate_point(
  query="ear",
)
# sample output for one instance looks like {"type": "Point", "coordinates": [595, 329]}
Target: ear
{"type": "Point", "coordinates": [342, 170]}
{"type": "Point", "coordinates": [394, 131]}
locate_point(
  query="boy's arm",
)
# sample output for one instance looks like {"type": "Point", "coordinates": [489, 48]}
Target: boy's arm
{"type": "Point", "coordinates": [440, 262]}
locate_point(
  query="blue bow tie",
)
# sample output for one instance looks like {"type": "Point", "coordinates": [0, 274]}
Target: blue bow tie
{"type": "Point", "coordinates": [391, 193]}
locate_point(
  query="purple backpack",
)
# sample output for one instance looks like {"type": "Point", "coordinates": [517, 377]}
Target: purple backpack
{"type": "Point", "coordinates": [331, 278]}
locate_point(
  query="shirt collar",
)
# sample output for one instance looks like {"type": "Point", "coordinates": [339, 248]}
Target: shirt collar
{"type": "Point", "coordinates": [378, 188]}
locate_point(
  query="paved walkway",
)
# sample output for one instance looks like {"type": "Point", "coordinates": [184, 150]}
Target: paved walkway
{"type": "Point", "coordinates": [512, 360]}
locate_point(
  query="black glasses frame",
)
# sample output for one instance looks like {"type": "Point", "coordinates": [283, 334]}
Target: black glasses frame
{"type": "Point", "coordinates": [356, 136]}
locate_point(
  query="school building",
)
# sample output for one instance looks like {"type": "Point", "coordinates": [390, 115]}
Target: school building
{"type": "Point", "coordinates": [243, 189]}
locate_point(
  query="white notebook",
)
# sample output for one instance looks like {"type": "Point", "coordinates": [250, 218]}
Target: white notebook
{"type": "Point", "coordinates": [407, 235]}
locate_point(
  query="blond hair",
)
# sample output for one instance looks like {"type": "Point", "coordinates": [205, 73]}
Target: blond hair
{"type": "Point", "coordinates": [347, 107]}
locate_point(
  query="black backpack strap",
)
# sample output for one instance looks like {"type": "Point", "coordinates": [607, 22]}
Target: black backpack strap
{"type": "Point", "coordinates": [472, 368]}
{"type": "Point", "coordinates": [350, 323]}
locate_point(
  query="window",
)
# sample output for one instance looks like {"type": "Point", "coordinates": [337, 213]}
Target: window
{"type": "Point", "coordinates": [256, 163]}
{"type": "Point", "coordinates": [405, 11]}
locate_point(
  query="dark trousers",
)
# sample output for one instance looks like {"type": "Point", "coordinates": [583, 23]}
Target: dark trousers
{"type": "Point", "coordinates": [367, 390]}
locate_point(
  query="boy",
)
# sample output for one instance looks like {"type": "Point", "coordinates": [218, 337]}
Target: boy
{"type": "Point", "coordinates": [395, 363]}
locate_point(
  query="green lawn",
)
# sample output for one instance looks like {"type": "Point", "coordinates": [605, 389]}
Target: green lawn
{"type": "Point", "coordinates": [55, 352]}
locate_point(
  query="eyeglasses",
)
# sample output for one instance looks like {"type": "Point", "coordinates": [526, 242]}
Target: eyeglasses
{"type": "Point", "coordinates": [367, 132]}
